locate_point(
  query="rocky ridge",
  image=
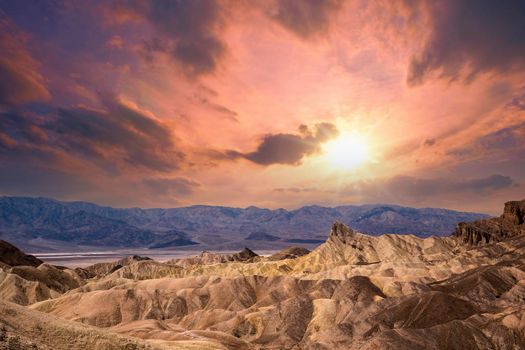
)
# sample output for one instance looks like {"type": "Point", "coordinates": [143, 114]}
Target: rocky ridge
{"type": "Point", "coordinates": [510, 223]}
{"type": "Point", "coordinates": [207, 258]}
{"type": "Point", "coordinates": [355, 291]}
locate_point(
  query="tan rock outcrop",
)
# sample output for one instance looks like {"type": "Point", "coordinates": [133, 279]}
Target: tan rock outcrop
{"type": "Point", "coordinates": [509, 224]}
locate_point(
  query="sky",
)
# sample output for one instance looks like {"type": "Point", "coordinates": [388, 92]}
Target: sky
{"type": "Point", "coordinates": [272, 103]}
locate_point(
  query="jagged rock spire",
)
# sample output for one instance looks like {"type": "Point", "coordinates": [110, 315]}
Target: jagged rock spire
{"type": "Point", "coordinates": [514, 212]}
{"type": "Point", "coordinates": [509, 224]}
{"type": "Point", "coordinates": [341, 232]}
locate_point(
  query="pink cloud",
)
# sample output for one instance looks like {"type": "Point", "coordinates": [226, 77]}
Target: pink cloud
{"type": "Point", "coordinates": [20, 79]}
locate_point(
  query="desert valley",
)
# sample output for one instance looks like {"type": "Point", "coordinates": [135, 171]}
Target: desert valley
{"type": "Point", "coordinates": [355, 291]}
{"type": "Point", "coordinates": [262, 174]}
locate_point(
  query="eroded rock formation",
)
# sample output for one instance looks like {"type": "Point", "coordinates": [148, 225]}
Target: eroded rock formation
{"type": "Point", "coordinates": [355, 291]}
{"type": "Point", "coordinates": [509, 224]}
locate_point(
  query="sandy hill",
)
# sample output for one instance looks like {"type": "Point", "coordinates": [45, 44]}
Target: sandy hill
{"type": "Point", "coordinates": [25, 279]}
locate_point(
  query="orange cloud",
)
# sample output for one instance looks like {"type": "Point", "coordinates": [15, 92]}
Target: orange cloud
{"type": "Point", "coordinates": [20, 80]}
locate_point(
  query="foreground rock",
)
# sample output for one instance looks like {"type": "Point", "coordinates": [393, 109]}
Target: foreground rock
{"type": "Point", "coordinates": [208, 258]}
{"type": "Point", "coordinates": [22, 328]}
{"type": "Point", "coordinates": [103, 269]}
{"type": "Point", "coordinates": [289, 253]}
{"type": "Point", "coordinates": [25, 279]}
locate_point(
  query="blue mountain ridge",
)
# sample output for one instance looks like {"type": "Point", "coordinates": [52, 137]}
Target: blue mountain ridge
{"type": "Point", "coordinates": [43, 222]}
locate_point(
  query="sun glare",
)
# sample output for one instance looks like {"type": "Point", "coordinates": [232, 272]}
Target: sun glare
{"type": "Point", "coordinates": [347, 151]}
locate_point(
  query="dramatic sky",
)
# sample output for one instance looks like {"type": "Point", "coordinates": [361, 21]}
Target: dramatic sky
{"type": "Point", "coordinates": [273, 103]}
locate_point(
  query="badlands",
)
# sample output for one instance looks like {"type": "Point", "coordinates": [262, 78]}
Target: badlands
{"type": "Point", "coordinates": [355, 291]}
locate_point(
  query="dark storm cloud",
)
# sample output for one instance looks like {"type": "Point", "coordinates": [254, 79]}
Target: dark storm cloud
{"type": "Point", "coordinates": [289, 148]}
{"type": "Point", "coordinates": [118, 135]}
{"type": "Point", "coordinates": [476, 36]}
{"type": "Point", "coordinates": [138, 139]}
{"type": "Point", "coordinates": [23, 141]}
{"type": "Point", "coordinates": [20, 80]}
{"type": "Point", "coordinates": [305, 18]}
{"type": "Point", "coordinates": [14, 126]}
{"type": "Point", "coordinates": [504, 139]}
{"type": "Point", "coordinates": [421, 187]}
{"type": "Point", "coordinates": [188, 31]}
{"type": "Point", "coordinates": [19, 179]}
{"type": "Point", "coordinates": [175, 186]}
{"type": "Point", "coordinates": [504, 142]}
{"type": "Point", "coordinates": [282, 149]}
{"type": "Point", "coordinates": [403, 188]}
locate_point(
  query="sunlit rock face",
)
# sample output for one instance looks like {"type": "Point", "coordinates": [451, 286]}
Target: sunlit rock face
{"type": "Point", "coordinates": [342, 233]}
{"type": "Point", "coordinates": [509, 224]}
{"type": "Point", "coordinates": [515, 212]}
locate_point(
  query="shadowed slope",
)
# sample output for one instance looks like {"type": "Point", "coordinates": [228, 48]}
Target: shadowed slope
{"type": "Point", "coordinates": [11, 255]}
{"type": "Point", "coordinates": [22, 328]}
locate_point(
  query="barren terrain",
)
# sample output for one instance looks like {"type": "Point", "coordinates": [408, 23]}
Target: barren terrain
{"type": "Point", "coordinates": [354, 291]}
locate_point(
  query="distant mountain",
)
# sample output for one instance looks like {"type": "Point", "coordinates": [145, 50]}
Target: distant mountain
{"type": "Point", "coordinates": [41, 223]}
{"type": "Point", "coordinates": [46, 222]}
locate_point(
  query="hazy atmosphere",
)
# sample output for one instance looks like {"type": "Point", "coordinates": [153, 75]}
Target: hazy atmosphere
{"type": "Point", "coordinates": [266, 103]}
{"type": "Point", "coordinates": [262, 174]}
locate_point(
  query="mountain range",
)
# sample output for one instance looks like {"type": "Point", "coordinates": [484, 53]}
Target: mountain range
{"type": "Point", "coordinates": [47, 224]}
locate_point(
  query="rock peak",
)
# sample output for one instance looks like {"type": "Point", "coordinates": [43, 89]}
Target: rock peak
{"type": "Point", "coordinates": [341, 232]}
{"type": "Point", "coordinates": [514, 212]}
{"type": "Point", "coordinates": [244, 254]}
{"type": "Point", "coordinates": [509, 224]}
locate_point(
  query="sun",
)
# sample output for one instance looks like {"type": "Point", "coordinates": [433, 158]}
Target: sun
{"type": "Point", "coordinates": [347, 151]}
